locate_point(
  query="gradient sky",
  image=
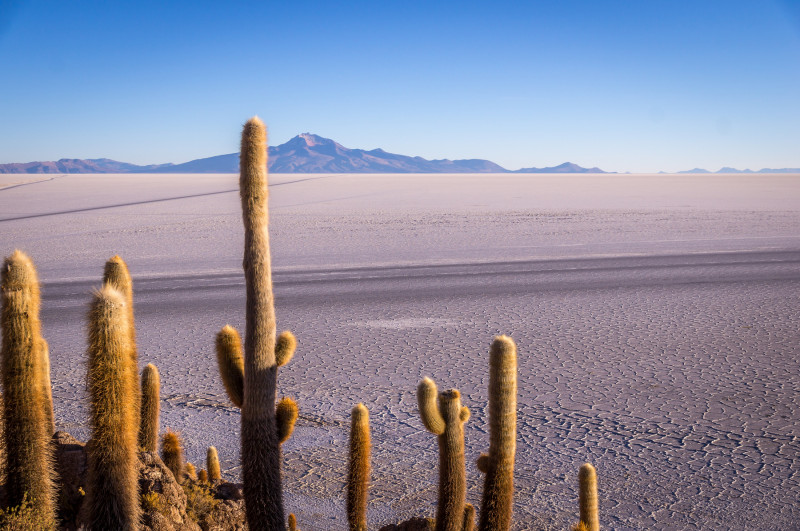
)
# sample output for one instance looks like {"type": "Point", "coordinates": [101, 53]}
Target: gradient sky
{"type": "Point", "coordinates": [632, 85]}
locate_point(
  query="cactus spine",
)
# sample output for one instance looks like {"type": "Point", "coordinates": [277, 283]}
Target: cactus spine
{"type": "Point", "coordinates": [113, 490]}
{"type": "Point", "coordinates": [151, 407]}
{"type": "Point", "coordinates": [212, 464]}
{"type": "Point", "coordinates": [446, 419]}
{"type": "Point", "coordinates": [358, 470]}
{"type": "Point", "coordinates": [47, 388]}
{"type": "Point", "coordinates": [498, 490]}
{"type": "Point", "coordinates": [587, 479]}
{"type": "Point", "coordinates": [172, 455]}
{"type": "Point", "coordinates": [28, 452]}
{"type": "Point", "coordinates": [117, 275]}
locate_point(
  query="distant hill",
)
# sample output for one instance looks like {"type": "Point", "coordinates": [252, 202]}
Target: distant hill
{"type": "Point", "coordinates": [306, 153]}
{"type": "Point", "coordinates": [567, 167]}
{"type": "Point", "coordinates": [728, 169]}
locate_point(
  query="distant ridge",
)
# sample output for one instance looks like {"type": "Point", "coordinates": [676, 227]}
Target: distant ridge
{"type": "Point", "coordinates": [305, 153]}
{"type": "Point", "coordinates": [727, 169]}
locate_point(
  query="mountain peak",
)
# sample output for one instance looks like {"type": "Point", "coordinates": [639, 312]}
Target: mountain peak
{"type": "Point", "coordinates": [311, 140]}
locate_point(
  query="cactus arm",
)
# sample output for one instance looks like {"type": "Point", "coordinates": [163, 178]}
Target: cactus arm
{"type": "Point", "coordinates": [452, 471]}
{"type": "Point", "coordinates": [47, 388]}
{"type": "Point", "coordinates": [358, 469]}
{"type": "Point", "coordinates": [284, 348]}
{"type": "Point", "coordinates": [212, 464]}
{"type": "Point", "coordinates": [428, 409]}
{"type": "Point", "coordinates": [231, 363]}
{"type": "Point", "coordinates": [151, 408]}
{"type": "Point", "coordinates": [469, 518]}
{"type": "Point", "coordinates": [483, 463]}
{"type": "Point", "coordinates": [285, 417]}
{"type": "Point", "coordinates": [587, 479]}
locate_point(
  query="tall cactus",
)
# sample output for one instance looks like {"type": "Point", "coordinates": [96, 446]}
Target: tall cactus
{"type": "Point", "coordinates": [252, 384]}
{"type": "Point", "coordinates": [28, 452]}
{"type": "Point", "coordinates": [358, 470]}
{"type": "Point", "coordinates": [47, 388]}
{"type": "Point", "coordinates": [446, 418]}
{"type": "Point", "coordinates": [151, 408]}
{"type": "Point", "coordinates": [498, 490]}
{"type": "Point", "coordinates": [212, 464]}
{"type": "Point", "coordinates": [117, 275]}
{"type": "Point", "coordinates": [587, 479]}
{"type": "Point", "coordinates": [113, 488]}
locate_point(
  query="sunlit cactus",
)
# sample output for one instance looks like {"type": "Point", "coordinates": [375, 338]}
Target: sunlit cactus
{"type": "Point", "coordinates": [498, 490]}
{"type": "Point", "coordinates": [292, 522]}
{"type": "Point", "coordinates": [172, 455]}
{"type": "Point", "coordinates": [445, 417]}
{"type": "Point", "coordinates": [113, 489]}
{"type": "Point", "coordinates": [587, 479]}
{"type": "Point", "coordinates": [202, 476]}
{"type": "Point", "coordinates": [286, 413]}
{"type": "Point", "coordinates": [212, 464]}
{"type": "Point", "coordinates": [231, 363]}
{"type": "Point", "coordinates": [47, 387]}
{"type": "Point", "coordinates": [358, 469]}
{"type": "Point", "coordinates": [27, 431]}
{"type": "Point", "coordinates": [117, 275]}
{"type": "Point", "coordinates": [190, 472]}
{"type": "Point", "coordinates": [151, 408]}
{"type": "Point", "coordinates": [469, 518]}
{"type": "Point", "coordinates": [285, 346]}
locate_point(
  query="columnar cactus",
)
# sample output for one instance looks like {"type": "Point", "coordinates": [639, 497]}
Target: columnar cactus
{"type": "Point", "coordinates": [117, 275]}
{"type": "Point", "coordinates": [264, 427]}
{"type": "Point", "coordinates": [172, 455]}
{"type": "Point", "coordinates": [358, 470]}
{"type": "Point", "coordinates": [587, 479]}
{"type": "Point", "coordinates": [202, 476]}
{"type": "Point", "coordinates": [27, 432]}
{"type": "Point", "coordinates": [498, 490]}
{"type": "Point", "coordinates": [151, 407]}
{"type": "Point", "coordinates": [47, 388]}
{"type": "Point", "coordinates": [212, 464]}
{"type": "Point", "coordinates": [469, 518]}
{"type": "Point", "coordinates": [190, 472]}
{"type": "Point", "coordinates": [292, 522]}
{"type": "Point", "coordinates": [113, 490]}
{"type": "Point", "coordinates": [446, 419]}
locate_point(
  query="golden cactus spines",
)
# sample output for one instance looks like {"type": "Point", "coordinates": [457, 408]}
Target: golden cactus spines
{"type": "Point", "coordinates": [47, 387]}
{"type": "Point", "coordinates": [116, 274]}
{"type": "Point", "coordinates": [292, 522]}
{"type": "Point", "coordinates": [286, 414]}
{"type": "Point", "coordinates": [212, 464]}
{"type": "Point", "coordinates": [27, 433]}
{"type": "Point", "coordinates": [587, 480]}
{"type": "Point", "coordinates": [285, 346]}
{"type": "Point", "coordinates": [469, 518]}
{"type": "Point", "coordinates": [358, 469]}
{"type": "Point", "coordinates": [190, 472]}
{"type": "Point", "coordinates": [151, 408]}
{"type": "Point", "coordinates": [231, 363]}
{"type": "Point", "coordinates": [112, 485]}
{"type": "Point", "coordinates": [172, 455]}
{"type": "Point", "coordinates": [445, 418]}
{"type": "Point", "coordinates": [202, 476]}
{"type": "Point", "coordinates": [498, 490]}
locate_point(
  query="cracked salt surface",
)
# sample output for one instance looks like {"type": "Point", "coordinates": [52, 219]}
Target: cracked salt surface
{"type": "Point", "coordinates": [659, 342]}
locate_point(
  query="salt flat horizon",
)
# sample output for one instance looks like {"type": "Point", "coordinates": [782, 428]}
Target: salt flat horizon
{"type": "Point", "coordinates": [656, 318]}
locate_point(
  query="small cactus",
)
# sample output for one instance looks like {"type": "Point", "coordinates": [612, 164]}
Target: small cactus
{"type": "Point", "coordinates": [190, 472]}
{"type": "Point", "coordinates": [446, 419]}
{"type": "Point", "coordinates": [285, 417]}
{"type": "Point", "coordinates": [212, 464]}
{"type": "Point", "coordinates": [28, 453]}
{"type": "Point", "coordinates": [202, 476]}
{"type": "Point", "coordinates": [498, 490]}
{"type": "Point", "coordinates": [285, 346]}
{"type": "Point", "coordinates": [172, 454]}
{"type": "Point", "coordinates": [113, 489]}
{"type": "Point", "coordinates": [469, 518]}
{"type": "Point", "coordinates": [292, 522]}
{"type": "Point", "coordinates": [151, 407]}
{"type": "Point", "coordinates": [231, 363]}
{"type": "Point", "coordinates": [587, 479]}
{"type": "Point", "coordinates": [358, 470]}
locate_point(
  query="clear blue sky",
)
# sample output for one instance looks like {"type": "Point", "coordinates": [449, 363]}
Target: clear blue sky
{"type": "Point", "coordinates": [625, 85]}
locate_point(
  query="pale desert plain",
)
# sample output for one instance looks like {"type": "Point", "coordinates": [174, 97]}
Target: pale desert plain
{"type": "Point", "coordinates": [656, 318]}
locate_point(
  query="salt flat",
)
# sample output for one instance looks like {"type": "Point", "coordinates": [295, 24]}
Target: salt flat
{"type": "Point", "coordinates": [656, 319]}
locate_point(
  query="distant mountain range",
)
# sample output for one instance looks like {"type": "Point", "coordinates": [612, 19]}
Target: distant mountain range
{"type": "Point", "coordinates": [306, 153]}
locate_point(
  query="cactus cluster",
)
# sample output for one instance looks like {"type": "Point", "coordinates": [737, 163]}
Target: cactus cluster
{"type": "Point", "coordinates": [124, 410]}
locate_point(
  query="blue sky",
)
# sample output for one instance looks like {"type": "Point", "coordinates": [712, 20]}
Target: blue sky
{"type": "Point", "coordinates": [624, 85]}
